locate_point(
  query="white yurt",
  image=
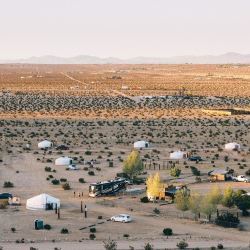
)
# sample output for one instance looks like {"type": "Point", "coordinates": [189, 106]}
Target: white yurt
{"type": "Point", "coordinates": [45, 144]}
{"type": "Point", "coordinates": [177, 155]}
{"type": "Point", "coordinates": [232, 146]}
{"type": "Point", "coordinates": [42, 202]}
{"type": "Point", "coordinates": [63, 161]}
{"type": "Point", "coordinates": [141, 144]}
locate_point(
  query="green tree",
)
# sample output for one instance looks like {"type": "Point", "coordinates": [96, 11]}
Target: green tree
{"type": "Point", "coordinates": [181, 199]}
{"type": "Point", "coordinates": [133, 165]}
{"type": "Point", "coordinates": [175, 172]}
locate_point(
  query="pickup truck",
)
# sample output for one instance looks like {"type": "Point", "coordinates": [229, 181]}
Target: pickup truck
{"type": "Point", "coordinates": [241, 178]}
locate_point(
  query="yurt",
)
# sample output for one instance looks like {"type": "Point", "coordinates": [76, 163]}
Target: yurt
{"type": "Point", "coordinates": [232, 146]}
{"type": "Point", "coordinates": [42, 202]}
{"type": "Point", "coordinates": [141, 144]}
{"type": "Point", "coordinates": [63, 161]}
{"type": "Point", "coordinates": [45, 144]}
{"type": "Point", "coordinates": [177, 155]}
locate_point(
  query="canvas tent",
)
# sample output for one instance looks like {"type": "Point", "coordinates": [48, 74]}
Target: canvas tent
{"type": "Point", "coordinates": [177, 155]}
{"type": "Point", "coordinates": [42, 202]}
{"type": "Point", "coordinates": [232, 146]}
{"type": "Point", "coordinates": [45, 144]}
{"type": "Point", "coordinates": [63, 161]}
{"type": "Point", "coordinates": [141, 144]}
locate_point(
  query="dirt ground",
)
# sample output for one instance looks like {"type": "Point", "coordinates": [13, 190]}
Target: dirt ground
{"type": "Point", "coordinates": [100, 121]}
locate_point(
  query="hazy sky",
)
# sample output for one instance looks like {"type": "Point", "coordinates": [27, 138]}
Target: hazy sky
{"type": "Point", "coordinates": [123, 28]}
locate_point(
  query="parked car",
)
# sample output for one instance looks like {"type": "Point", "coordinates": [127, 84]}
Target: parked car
{"type": "Point", "coordinates": [73, 167]}
{"type": "Point", "coordinates": [195, 158]}
{"type": "Point", "coordinates": [121, 218]}
{"type": "Point", "coordinates": [241, 178]}
{"type": "Point", "coordinates": [62, 147]}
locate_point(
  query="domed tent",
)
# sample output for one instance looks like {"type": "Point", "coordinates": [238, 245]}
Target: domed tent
{"type": "Point", "coordinates": [45, 144]}
{"type": "Point", "coordinates": [232, 146]}
{"type": "Point", "coordinates": [42, 202]}
{"type": "Point", "coordinates": [63, 161]}
{"type": "Point", "coordinates": [177, 155]}
{"type": "Point", "coordinates": [141, 144]}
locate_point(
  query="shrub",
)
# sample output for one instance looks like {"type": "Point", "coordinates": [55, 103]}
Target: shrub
{"type": "Point", "coordinates": [99, 217]}
{"type": "Point", "coordinates": [175, 172]}
{"type": "Point", "coordinates": [247, 172]}
{"type": "Point", "coordinates": [64, 231]}
{"type": "Point", "coordinates": [88, 152]}
{"type": "Point", "coordinates": [126, 235]}
{"type": "Point", "coordinates": [156, 211]}
{"type": "Point", "coordinates": [8, 184]}
{"type": "Point", "coordinates": [47, 226]}
{"type": "Point", "coordinates": [63, 180]}
{"type": "Point", "coordinates": [92, 230]}
{"type": "Point", "coordinates": [148, 246]}
{"type": "Point", "coordinates": [92, 236]}
{"type": "Point", "coordinates": [110, 245]}
{"type": "Point", "coordinates": [13, 230]}
{"type": "Point", "coordinates": [195, 171]}
{"type": "Point", "coordinates": [47, 169]}
{"type": "Point", "coordinates": [55, 182]}
{"type": "Point", "coordinates": [167, 231]}
{"type": "Point", "coordinates": [91, 173]}
{"type": "Point", "coordinates": [81, 180]}
{"type": "Point", "coordinates": [227, 220]}
{"type": "Point", "coordinates": [220, 246]}
{"type": "Point", "coordinates": [144, 199]}
{"type": "Point", "coordinates": [182, 244]}
{"type": "Point", "coordinates": [66, 186]}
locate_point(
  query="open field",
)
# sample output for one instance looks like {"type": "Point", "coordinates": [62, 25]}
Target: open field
{"type": "Point", "coordinates": [86, 108]}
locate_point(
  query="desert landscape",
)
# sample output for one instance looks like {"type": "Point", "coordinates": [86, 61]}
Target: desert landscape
{"type": "Point", "coordinates": [99, 112]}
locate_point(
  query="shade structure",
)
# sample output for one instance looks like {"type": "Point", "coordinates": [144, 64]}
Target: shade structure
{"type": "Point", "coordinates": [141, 144]}
{"type": "Point", "coordinates": [177, 155]}
{"type": "Point", "coordinates": [232, 146]}
{"type": "Point", "coordinates": [63, 161]}
{"type": "Point", "coordinates": [42, 202]}
{"type": "Point", "coordinates": [45, 144]}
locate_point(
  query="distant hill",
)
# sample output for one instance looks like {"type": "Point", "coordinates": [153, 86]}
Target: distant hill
{"type": "Point", "coordinates": [228, 58]}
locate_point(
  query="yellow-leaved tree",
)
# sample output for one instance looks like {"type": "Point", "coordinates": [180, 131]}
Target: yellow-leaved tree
{"type": "Point", "coordinates": [154, 186]}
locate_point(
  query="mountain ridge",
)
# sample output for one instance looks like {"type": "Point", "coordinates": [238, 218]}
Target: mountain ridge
{"type": "Point", "coordinates": [227, 58]}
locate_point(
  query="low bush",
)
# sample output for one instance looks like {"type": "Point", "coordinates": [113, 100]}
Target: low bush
{"type": "Point", "coordinates": [8, 184]}
{"type": "Point", "coordinates": [167, 231]}
{"type": "Point", "coordinates": [63, 180]}
{"type": "Point", "coordinates": [92, 230]}
{"type": "Point", "coordinates": [55, 182]}
{"type": "Point", "coordinates": [227, 220]}
{"type": "Point", "coordinates": [81, 180]}
{"type": "Point", "coordinates": [92, 236]}
{"type": "Point", "coordinates": [144, 199]}
{"type": "Point", "coordinates": [66, 186]}
{"type": "Point", "coordinates": [47, 226]}
{"type": "Point", "coordinates": [220, 246]}
{"type": "Point", "coordinates": [64, 231]}
{"type": "Point", "coordinates": [47, 169]}
{"type": "Point", "coordinates": [92, 173]}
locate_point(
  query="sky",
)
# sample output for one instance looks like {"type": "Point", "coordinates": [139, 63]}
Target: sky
{"type": "Point", "coordinates": [123, 28]}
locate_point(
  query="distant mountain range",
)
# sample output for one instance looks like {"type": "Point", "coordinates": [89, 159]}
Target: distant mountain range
{"type": "Point", "coordinates": [228, 58]}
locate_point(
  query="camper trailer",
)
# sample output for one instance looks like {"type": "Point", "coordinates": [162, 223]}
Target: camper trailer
{"type": "Point", "coordinates": [110, 187]}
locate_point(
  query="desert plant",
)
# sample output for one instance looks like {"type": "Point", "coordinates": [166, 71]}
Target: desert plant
{"type": "Point", "coordinates": [66, 186]}
{"type": "Point", "coordinates": [182, 244]}
{"type": "Point", "coordinates": [92, 230]}
{"type": "Point", "coordinates": [110, 245]}
{"type": "Point", "coordinates": [64, 231]}
{"type": "Point", "coordinates": [47, 226]}
{"type": "Point", "coordinates": [81, 180]}
{"type": "Point", "coordinates": [8, 184]}
{"type": "Point", "coordinates": [167, 231]}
